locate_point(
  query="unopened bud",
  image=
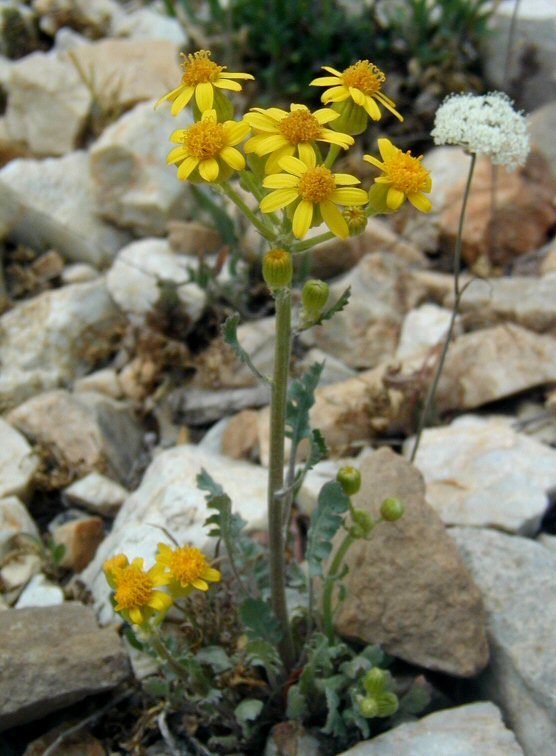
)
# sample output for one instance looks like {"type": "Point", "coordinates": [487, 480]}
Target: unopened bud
{"type": "Point", "coordinates": [350, 479]}
{"type": "Point", "coordinates": [356, 218]}
{"type": "Point", "coordinates": [363, 524]}
{"type": "Point", "coordinates": [277, 269]}
{"type": "Point", "coordinates": [375, 681]}
{"type": "Point", "coordinates": [368, 707]}
{"type": "Point", "coordinates": [392, 509]}
{"type": "Point", "coordinates": [314, 297]}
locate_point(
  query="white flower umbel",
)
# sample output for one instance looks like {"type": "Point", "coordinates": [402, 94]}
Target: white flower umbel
{"type": "Point", "coordinates": [483, 125]}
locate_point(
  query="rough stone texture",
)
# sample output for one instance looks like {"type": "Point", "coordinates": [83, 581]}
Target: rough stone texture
{"type": "Point", "coordinates": [103, 381]}
{"type": "Point", "coordinates": [79, 273]}
{"type": "Point", "coordinates": [14, 519]}
{"type": "Point", "coordinates": [18, 569]}
{"type": "Point", "coordinates": [40, 592]}
{"type": "Point", "coordinates": [367, 331]}
{"type": "Point", "coordinates": [134, 280]}
{"type": "Point", "coordinates": [134, 187]}
{"type": "Point", "coordinates": [83, 431]}
{"type": "Point", "coordinates": [48, 103]}
{"type": "Point", "coordinates": [480, 472]}
{"type": "Point", "coordinates": [50, 203]}
{"type": "Point", "coordinates": [420, 605]}
{"type": "Point", "coordinates": [148, 23]}
{"type": "Point", "coordinates": [57, 656]}
{"type": "Point", "coordinates": [193, 238]}
{"type": "Point", "coordinates": [18, 464]}
{"type": "Point", "coordinates": [97, 493]}
{"type": "Point", "coordinates": [95, 16]}
{"type": "Point", "coordinates": [494, 363]}
{"type": "Point", "coordinates": [45, 341]}
{"type": "Point", "coordinates": [291, 739]}
{"type": "Point", "coordinates": [422, 329]}
{"type": "Point", "coordinates": [473, 730]}
{"type": "Point", "coordinates": [517, 578]}
{"type": "Point", "coordinates": [168, 497]}
{"type": "Point", "coordinates": [532, 72]}
{"type": "Point", "coordinates": [81, 538]}
{"type": "Point", "coordinates": [542, 124]}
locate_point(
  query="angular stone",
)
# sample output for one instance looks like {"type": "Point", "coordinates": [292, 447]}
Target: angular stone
{"type": "Point", "coordinates": [50, 203]}
{"type": "Point", "coordinates": [473, 730]}
{"type": "Point", "coordinates": [149, 23]}
{"type": "Point", "coordinates": [419, 606]}
{"type": "Point", "coordinates": [133, 186]}
{"type": "Point", "coordinates": [422, 329]}
{"type": "Point", "coordinates": [40, 592]}
{"type": "Point", "coordinates": [542, 124]}
{"type": "Point", "coordinates": [79, 273]}
{"type": "Point", "coordinates": [83, 431]}
{"type": "Point", "coordinates": [480, 472]}
{"type": "Point", "coordinates": [103, 381]}
{"type": "Point", "coordinates": [494, 363]}
{"type": "Point", "coordinates": [136, 277]}
{"type": "Point", "coordinates": [193, 238]}
{"type": "Point", "coordinates": [97, 17]}
{"type": "Point", "coordinates": [14, 519]}
{"type": "Point", "coordinates": [81, 538]}
{"type": "Point", "coordinates": [44, 341]}
{"type": "Point", "coordinates": [58, 656]}
{"type": "Point", "coordinates": [18, 464]}
{"type": "Point", "coordinates": [169, 498]}
{"type": "Point", "coordinates": [97, 493]}
{"type": "Point", "coordinates": [517, 578]}
{"type": "Point", "coordinates": [18, 570]}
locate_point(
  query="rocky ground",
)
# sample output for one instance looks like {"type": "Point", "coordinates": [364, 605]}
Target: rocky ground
{"type": "Point", "coordinates": [116, 389]}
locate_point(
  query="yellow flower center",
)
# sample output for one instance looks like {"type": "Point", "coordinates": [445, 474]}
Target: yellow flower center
{"type": "Point", "coordinates": [205, 139]}
{"type": "Point", "coordinates": [198, 68]}
{"type": "Point", "coordinates": [134, 587]}
{"type": "Point", "coordinates": [355, 217]}
{"type": "Point", "coordinates": [364, 76]}
{"type": "Point", "coordinates": [406, 172]}
{"type": "Point", "coordinates": [187, 564]}
{"type": "Point", "coordinates": [300, 126]}
{"type": "Point", "coordinates": [317, 184]}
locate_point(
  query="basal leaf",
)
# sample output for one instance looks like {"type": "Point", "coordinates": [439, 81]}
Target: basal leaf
{"type": "Point", "coordinates": [297, 704]}
{"type": "Point", "coordinates": [326, 520]}
{"type": "Point", "coordinates": [260, 621]}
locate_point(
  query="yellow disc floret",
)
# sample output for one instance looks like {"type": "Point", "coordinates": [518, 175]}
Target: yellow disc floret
{"type": "Point", "coordinates": [136, 597]}
{"type": "Point", "coordinates": [364, 76]}
{"type": "Point", "coordinates": [317, 184]}
{"type": "Point", "coordinates": [300, 126]}
{"type": "Point", "coordinates": [199, 68]}
{"type": "Point", "coordinates": [404, 177]}
{"type": "Point", "coordinates": [407, 173]}
{"type": "Point", "coordinates": [187, 568]}
{"type": "Point", "coordinates": [134, 587]}
{"type": "Point", "coordinates": [205, 139]}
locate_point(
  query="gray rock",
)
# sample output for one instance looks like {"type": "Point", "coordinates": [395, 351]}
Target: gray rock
{"type": "Point", "coordinates": [136, 277]}
{"type": "Point", "coordinates": [419, 606]}
{"type": "Point", "coordinates": [18, 464]}
{"type": "Point", "coordinates": [14, 519]}
{"type": "Point", "coordinates": [84, 431]}
{"type": "Point", "coordinates": [473, 730]}
{"type": "Point", "coordinates": [168, 498]}
{"type": "Point", "coordinates": [133, 186]}
{"type": "Point", "coordinates": [51, 657]}
{"type": "Point", "coordinates": [480, 472]}
{"type": "Point", "coordinates": [542, 124]}
{"type": "Point", "coordinates": [548, 541]}
{"type": "Point", "coordinates": [44, 340]}
{"type": "Point", "coordinates": [517, 578]}
{"type": "Point", "coordinates": [50, 203]}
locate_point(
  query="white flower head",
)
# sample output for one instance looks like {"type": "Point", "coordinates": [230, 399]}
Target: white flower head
{"type": "Point", "coordinates": [485, 125]}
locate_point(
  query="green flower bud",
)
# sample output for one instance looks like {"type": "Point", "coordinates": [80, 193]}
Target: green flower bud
{"type": "Point", "coordinates": [392, 509]}
{"type": "Point", "coordinates": [387, 704]}
{"type": "Point", "coordinates": [277, 269]}
{"type": "Point", "coordinates": [314, 296]}
{"type": "Point", "coordinates": [375, 681]}
{"type": "Point", "coordinates": [363, 524]}
{"type": "Point", "coordinates": [368, 707]}
{"type": "Point", "coordinates": [356, 218]}
{"type": "Point", "coordinates": [350, 479]}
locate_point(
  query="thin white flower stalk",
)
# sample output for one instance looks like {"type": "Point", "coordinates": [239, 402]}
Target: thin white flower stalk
{"type": "Point", "coordinates": [482, 125]}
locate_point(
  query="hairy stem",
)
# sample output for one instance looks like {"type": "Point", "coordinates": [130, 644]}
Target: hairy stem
{"type": "Point", "coordinates": [327, 611]}
{"type": "Point", "coordinates": [260, 225]}
{"type": "Point", "coordinates": [276, 470]}
{"type": "Point", "coordinates": [455, 310]}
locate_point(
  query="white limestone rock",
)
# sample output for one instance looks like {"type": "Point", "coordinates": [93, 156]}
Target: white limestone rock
{"type": "Point", "coordinates": [50, 203]}
{"type": "Point", "coordinates": [96, 493]}
{"type": "Point", "coordinates": [480, 472]}
{"type": "Point", "coordinates": [79, 273]}
{"type": "Point", "coordinates": [423, 328]}
{"type": "Point", "coordinates": [517, 578]}
{"type": "Point", "coordinates": [473, 730]}
{"type": "Point", "coordinates": [103, 381]}
{"type": "Point", "coordinates": [168, 497]}
{"type": "Point", "coordinates": [96, 16]}
{"type": "Point", "coordinates": [135, 277]}
{"type": "Point", "coordinates": [148, 23]}
{"type": "Point", "coordinates": [40, 592]}
{"type": "Point", "coordinates": [43, 341]}
{"type": "Point", "coordinates": [18, 464]}
{"type": "Point", "coordinates": [15, 519]}
{"type": "Point", "coordinates": [134, 187]}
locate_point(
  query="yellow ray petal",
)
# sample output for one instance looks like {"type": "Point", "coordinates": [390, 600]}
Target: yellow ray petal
{"type": "Point", "coordinates": [394, 198]}
{"type": "Point", "coordinates": [136, 616]}
{"type": "Point", "coordinates": [325, 115]}
{"type": "Point", "coordinates": [387, 149]}
{"type": "Point", "coordinates": [373, 161]}
{"type": "Point", "coordinates": [336, 137]}
{"type": "Point", "coordinates": [302, 219]}
{"type": "Point", "coordinates": [204, 96]}
{"type": "Point", "coordinates": [336, 94]}
{"type": "Point", "coordinates": [371, 108]}
{"type": "Point", "coordinates": [277, 199]}
{"type": "Point", "coordinates": [228, 84]}
{"type": "Point", "coordinates": [346, 179]}
{"type": "Point", "coordinates": [201, 585]}
{"type": "Point", "coordinates": [171, 95]}
{"type": "Point", "coordinates": [294, 165]}
{"type": "Point", "coordinates": [331, 70]}
{"type": "Point", "coordinates": [176, 155]}
{"type": "Point", "coordinates": [235, 132]}
{"type": "Point", "coordinates": [349, 196]}
{"type": "Point", "coordinates": [235, 75]}
{"type": "Point", "coordinates": [324, 81]}
{"type": "Point", "coordinates": [273, 162]}
{"type": "Point", "coordinates": [187, 167]}
{"type": "Point", "coordinates": [421, 202]}
{"type": "Point", "coordinates": [280, 181]}
{"type": "Point", "coordinates": [334, 219]}
{"type": "Point", "coordinates": [211, 574]}
{"type": "Point", "coordinates": [260, 122]}
{"type": "Point", "coordinates": [233, 157]}
{"type": "Point", "coordinates": [306, 153]}
{"type": "Point", "coordinates": [271, 143]}
{"type": "Point", "coordinates": [182, 100]}
{"type": "Point", "coordinates": [357, 96]}
{"type": "Point", "coordinates": [389, 105]}
{"type": "Point", "coordinates": [209, 169]}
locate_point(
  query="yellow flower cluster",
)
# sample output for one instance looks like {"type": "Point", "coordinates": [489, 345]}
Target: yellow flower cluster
{"type": "Point", "coordinates": [289, 143]}
{"type": "Point", "coordinates": [136, 591]}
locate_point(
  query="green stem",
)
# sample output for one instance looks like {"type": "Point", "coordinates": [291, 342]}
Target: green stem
{"type": "Point", "coordinates": [455, 310]}
{"type": "Point", "coordinates": [276, 470]}
{"type": "Point", "coordinates": [260, 225]}
{"type": "Point", "coordinates": [305, 245]}
{"type": "Point", "coordinates": [163, 652]}
{"type": "Point", "coordinates": [327, 613]}
{"type": "Point", "coordinates": [333, 153]}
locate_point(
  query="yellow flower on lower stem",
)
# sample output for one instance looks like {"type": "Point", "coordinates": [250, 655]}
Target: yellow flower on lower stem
{"type": "Point", "coordinates": [136, 597]}
{"type": "Point", "coordinates": [186, 568]}
{"type": "Point", "coordinates": [203, 78]}
{"type": "Point", "coordinates": [316, 191]}
{"type": "Point", "coordinates": [405, 177]}
{"type": "Point", "coordinates": [280, 133]}
{"type": "Point", "coordinates": [206, 149]}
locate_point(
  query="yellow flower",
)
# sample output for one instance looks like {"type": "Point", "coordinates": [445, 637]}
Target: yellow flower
{"type": "Point", "coordinates": [404, 177]}
{"type": "Point", "coordinates": [135, 595]}
{"type": "Point", "coordinates": [187, 567]}
{"type": "Point", "coordinates": [200, 77]}
{"type": "Point", "coordinates": [112, 567]}
{"type": "Point", "coordinates": [312, 187]}
{"type": "Point", "coordinates": [355, 93]}
{"type": "Point", "coordinates": [207, 147]}
{"type": "Point", "coordinates": [282, 133]}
